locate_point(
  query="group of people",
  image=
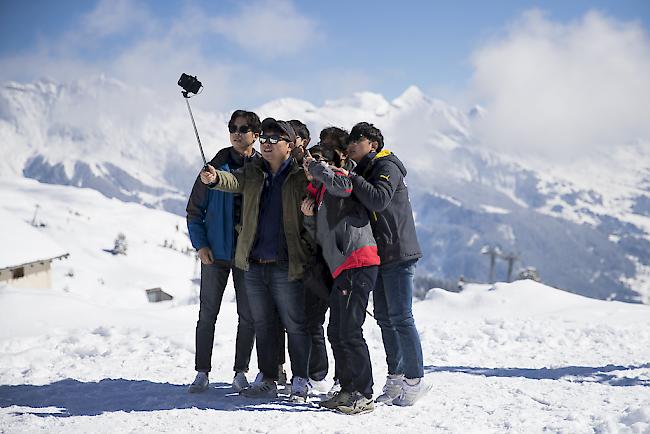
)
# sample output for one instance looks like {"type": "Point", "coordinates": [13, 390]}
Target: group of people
{"type": "Point", "coordinates": [306, 229]}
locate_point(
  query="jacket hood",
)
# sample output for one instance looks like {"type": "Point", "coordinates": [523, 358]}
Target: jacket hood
{"type": "Point", "coordinates": [386, 155]}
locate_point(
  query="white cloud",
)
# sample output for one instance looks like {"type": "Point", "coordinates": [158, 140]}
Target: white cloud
{"type": "Point", "coordinates": [123, 39]}
{"type": "Point", "coordinates": [116, 16]}
{"type": "Point", "coordinates": [268, 29]}
{"type": "Point", "coordinates": [560, 90]}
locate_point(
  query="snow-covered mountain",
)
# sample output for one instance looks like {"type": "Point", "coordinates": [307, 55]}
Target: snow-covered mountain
{"type": "Point", "coordinates": [584, 226]}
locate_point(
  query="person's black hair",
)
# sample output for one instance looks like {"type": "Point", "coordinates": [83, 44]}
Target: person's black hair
{"type": "Point", "coordinates": [252, 120]}
{"type": "Point", "coordinates": [369, 131]}
{"type": "Point", "coordinates": [326, 154]}
{"type": "Point", "coordinates": [300, 128]}
{"type": "Point", "coordinates": [336, 135]}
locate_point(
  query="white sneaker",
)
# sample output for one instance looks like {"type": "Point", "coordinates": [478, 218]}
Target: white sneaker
{"type": "Point", "coordinates": [336, 388]}
{"type": "Point", "coordinates": [392, 389]}
{"type": "Point", "coordinates": [318, 386]}
{"type": "Point", "coordinates": [411, 393]}
{"type": "Point", "coordinates": [299, 389]}
{"type": "Point", "coordinates": [200, 383]}
{"type": "Point", "coordinates": [261, 389]}
{"type": "Point", "coordinates": [240, 382]}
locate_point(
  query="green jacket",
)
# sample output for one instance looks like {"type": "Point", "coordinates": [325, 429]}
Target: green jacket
{"type": "Point", "coordinates": [249, 181]}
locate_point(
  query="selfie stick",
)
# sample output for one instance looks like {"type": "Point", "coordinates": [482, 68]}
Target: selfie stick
{"type": "Point", "coordinates": [205, 163]}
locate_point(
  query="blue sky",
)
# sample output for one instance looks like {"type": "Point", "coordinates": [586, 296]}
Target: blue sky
{"type": "Point", "coordinates": [311, 50]}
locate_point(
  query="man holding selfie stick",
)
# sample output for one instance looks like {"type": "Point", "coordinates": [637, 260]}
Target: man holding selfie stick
{"type": "Point", "coordinates": [273, 248]}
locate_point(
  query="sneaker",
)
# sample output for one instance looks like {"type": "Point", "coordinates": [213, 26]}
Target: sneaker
{"type": "Point", "coordinates": [336, 388]}
{"type": "Point", "coordinates": [356, 404]}
{"type": "Point", "coordinates": [259, 378]}
{"type": "Point", "coordinates": [240, 382]}
{"type": "Point", "coordinates": [200, 383]}
{"type": "Point", "coordinates": [339, 398]}
{"type": "Point", "coordinates": [318, 386]}
{"type": "Point", "coordinates": [282, 376]}
{"type": "Point", "coordinates": [411, 393]}
{"type": "Point", "coordinates": [299, 389]}
{"type": "Point", "coordinates": [391, 390]}
{"type": "Point", "coordinates": [261, 389]}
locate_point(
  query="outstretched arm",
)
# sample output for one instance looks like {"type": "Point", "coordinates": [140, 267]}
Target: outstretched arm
{"type": "Point", "coordinates": [223, 180]}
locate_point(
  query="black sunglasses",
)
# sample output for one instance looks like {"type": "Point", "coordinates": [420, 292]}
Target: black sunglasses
{"type": "Point", "coordinates": [272, 139]}
{"type": "Point", "coordinates": [242, 129]}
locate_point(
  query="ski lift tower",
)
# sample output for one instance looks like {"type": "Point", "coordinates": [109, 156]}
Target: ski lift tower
{"type": "Point", "coordinates": [511, 258]}
{"type": "Point", "coordinates": [493, 252]}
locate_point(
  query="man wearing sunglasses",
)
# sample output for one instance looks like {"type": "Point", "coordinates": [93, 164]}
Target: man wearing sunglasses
{"type": "Point", "coordinates": [378, 183]}
{"type": "Point", "coordinates": [273, 248]}
{"type": "Point", "coordinates": [211, 220]}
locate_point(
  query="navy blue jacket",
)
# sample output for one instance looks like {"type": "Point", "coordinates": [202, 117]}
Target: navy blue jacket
{"type": "Point", "coordinates": [212, 215]}
{"type": "Point", "coordinates": [378, 183]}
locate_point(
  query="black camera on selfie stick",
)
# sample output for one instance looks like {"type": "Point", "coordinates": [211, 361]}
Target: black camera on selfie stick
{"type": "Point", "coordinates": [191, 84]}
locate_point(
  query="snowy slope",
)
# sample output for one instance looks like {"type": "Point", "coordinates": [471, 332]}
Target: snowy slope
{"type": "Point", "coordinates": [92, 355]}
{"type": "Point", "coordinates": [592, 214]}
{"type": "Point", "coordinates": [14, 232]}
{"type": "Point", "coordinates": [85, 223]}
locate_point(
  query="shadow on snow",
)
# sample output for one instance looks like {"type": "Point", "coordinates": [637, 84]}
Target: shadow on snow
{"type": "Point", "coordinates": [574, 374]}
{"type": "Point", "coordinates": [76, 398]}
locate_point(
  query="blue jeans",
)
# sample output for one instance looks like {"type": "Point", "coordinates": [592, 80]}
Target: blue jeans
{"type": "Point", "coordinates": [272, 295]}
{"type": "Point", "coordinates": [393, 300]}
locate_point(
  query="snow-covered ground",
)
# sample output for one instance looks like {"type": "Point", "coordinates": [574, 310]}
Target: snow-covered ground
{"type": "Point", "coordinates": [92, 355]}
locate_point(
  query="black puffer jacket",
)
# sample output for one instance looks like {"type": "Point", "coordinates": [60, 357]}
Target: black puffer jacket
{"type": "Point", "coordinates": [378, 183]}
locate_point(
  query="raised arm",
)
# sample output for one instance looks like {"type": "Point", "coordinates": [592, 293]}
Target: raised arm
{"type": "Point", "coordinates": [377, 192]}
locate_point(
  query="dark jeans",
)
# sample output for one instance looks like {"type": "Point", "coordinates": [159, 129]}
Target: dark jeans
{"type": "Point", "coordinates": [393, 300]}
{"type": "Point", "coordinates": [272, 295]}
{"type": "Point", "coordinates": [315, 309]}
{"type": "Point", "coordinates": [213, 283]}
{"type": "Point", "coordinates": [348, 303]}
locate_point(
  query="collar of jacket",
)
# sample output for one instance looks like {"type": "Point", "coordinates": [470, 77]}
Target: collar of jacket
{"type": "Point", "coordinates": [261, 164]}
{"type": "Point", "coordinates": [240, 158]}
{"type": "Point", "coordinates": [366, 162]}
{"type": "Point", "coordinates": [382, 154]}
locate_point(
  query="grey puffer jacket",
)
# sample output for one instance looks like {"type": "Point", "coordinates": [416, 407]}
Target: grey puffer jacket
{"type": "Point", "coordinates": [341, 225]}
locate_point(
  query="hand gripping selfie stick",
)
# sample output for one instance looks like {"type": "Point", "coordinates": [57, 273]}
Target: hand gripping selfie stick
{"type": "Point", "coordinates": [191, 84]}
